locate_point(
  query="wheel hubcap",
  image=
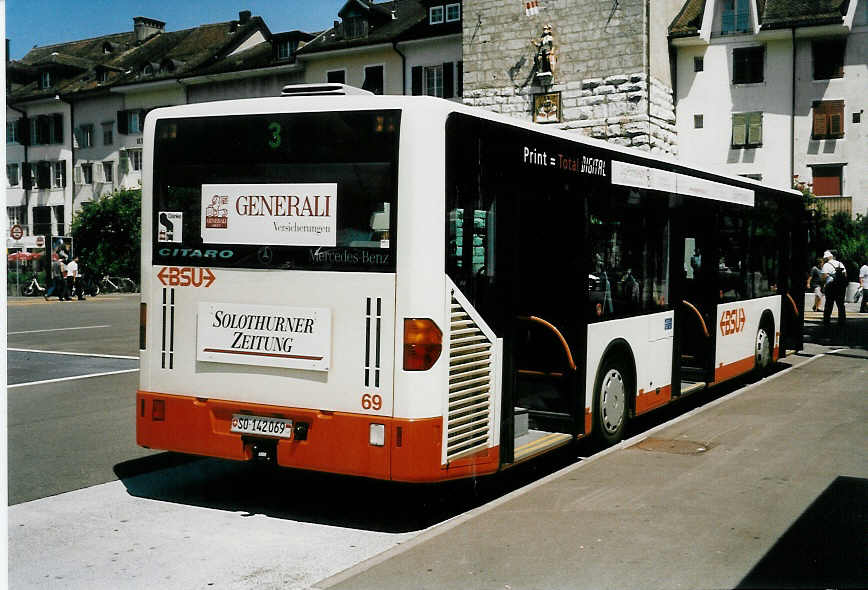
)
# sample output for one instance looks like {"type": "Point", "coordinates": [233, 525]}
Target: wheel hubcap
{"type": "Point", "coordinates": [763, 349]}
{"type": "Point", "coordinates": [612, 401]}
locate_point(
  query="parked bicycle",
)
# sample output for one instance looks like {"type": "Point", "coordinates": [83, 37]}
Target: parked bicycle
{"type": "Point", "coordinates": [117, 285]}
{"type": "Point", "coordinates": [33, 288]}
{"type": "Point", "coordinates": [88, 286]}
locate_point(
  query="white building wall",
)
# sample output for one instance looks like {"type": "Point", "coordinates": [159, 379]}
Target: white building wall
{"type": "Point", "coordinates": [15, 195]}
{"type": "Point", "coordinates": [52, 197]}
{"type": "Point", "coordinates": [430, 52]}
{"type": "Point", "coordinates": [712, 94]}
{"type": "Point", "coordinates": [96, 112]}
{"type": "Point", "coordinates": [852, 149]}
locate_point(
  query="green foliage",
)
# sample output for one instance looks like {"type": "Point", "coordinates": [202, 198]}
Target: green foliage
{"type": "Point", "coordinates": [839, 232]}
{"type": "Point", "coordinates": [107, 235]}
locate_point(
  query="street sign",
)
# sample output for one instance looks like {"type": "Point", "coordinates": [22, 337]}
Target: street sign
{"type": "Point", "coordinates": [16, 232]}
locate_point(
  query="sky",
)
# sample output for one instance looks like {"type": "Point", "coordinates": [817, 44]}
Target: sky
{"type": "Point", "coordinates": [46, 22]}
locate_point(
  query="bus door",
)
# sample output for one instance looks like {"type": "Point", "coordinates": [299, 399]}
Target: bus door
{"type": "Point", "coordinates": [695, 295]}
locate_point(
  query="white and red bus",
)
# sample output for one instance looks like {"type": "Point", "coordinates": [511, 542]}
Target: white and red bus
{"type": "Point", "coordinates": [406, 288]}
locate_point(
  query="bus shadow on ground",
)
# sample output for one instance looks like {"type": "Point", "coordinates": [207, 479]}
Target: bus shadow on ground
{"type": "Point", "coordinates": [824, 548]}
{"type": "Point", "coordinates": [320, 498]}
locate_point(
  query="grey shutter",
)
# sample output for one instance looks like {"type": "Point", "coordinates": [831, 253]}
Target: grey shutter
{"type": "Point", "coordinates": [417, 80]}
{"type": "Point", "coordinates": [448, 79]}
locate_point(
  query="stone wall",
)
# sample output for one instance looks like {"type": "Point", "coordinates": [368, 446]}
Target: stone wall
{"type": "Point", "coordinates": [601, 71]}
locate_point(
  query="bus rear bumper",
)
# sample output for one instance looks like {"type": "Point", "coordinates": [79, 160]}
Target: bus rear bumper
{"type": "Point", "coordinates": [335, 442]}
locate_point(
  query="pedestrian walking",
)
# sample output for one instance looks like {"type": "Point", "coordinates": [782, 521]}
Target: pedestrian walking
{"type": "Point", "coordinates": [816, 285]}
{"type": "Point", "coordinates": [863, 283]}
{"type": "Point", "coordinates": [72, 283]}
{"type": "Point", "coordinates": [834, 277]}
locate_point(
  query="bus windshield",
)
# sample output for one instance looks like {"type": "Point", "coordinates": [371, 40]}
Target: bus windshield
{"type": "Point", "coordinates": [307, 191]}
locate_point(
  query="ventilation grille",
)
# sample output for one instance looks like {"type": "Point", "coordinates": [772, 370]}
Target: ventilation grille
{"type": "Point", "coordinates": [468, 422]}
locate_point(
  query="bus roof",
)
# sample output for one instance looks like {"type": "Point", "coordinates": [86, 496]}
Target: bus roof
{"type": "Point", "coordinates": [318, 98]}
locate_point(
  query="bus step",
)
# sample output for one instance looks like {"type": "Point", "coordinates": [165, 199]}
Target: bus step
{"type": "Point", "coordinates": [688, 387]}
{"type": "Point", "coordinates": [536, 442]}
{"type": "Point", "coordinates": [694, 374]}
{"type": "Point", "coordinates": [521, 422]}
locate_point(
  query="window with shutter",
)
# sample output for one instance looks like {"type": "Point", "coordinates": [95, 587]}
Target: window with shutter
{"type": "Point", "coordinates": [748, 64]}
{"type": "Point", "coordinates": [747, 130]}
{"type": "Point", "coordinates": [59, 179]}
{"type": "Point", "coordinates": [828, 120]}
{"type": "Point", "coordinates": [77, 175]}
{"type": "Point", "coordinates": [828, 58]}
{"type": "Point", "coordinates": [827, 181]}
{"type": "Point", "coordinates": [373, 79]}
{"type": "Point", "coordinates": [336, 77]}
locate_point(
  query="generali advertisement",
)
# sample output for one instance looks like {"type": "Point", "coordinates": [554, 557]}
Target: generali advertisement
{"type": "Point", "coordinates": [270, 214]}
{"type": "Point", "coordinates": [264, 335]}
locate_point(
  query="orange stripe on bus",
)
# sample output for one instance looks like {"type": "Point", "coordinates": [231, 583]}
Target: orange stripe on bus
{"type": "Point", "coordinates": [337, 442]}
{"type": "Point", "coordinates": [725, 372]}
{"type": "Point", "coordinates": [648, 400]}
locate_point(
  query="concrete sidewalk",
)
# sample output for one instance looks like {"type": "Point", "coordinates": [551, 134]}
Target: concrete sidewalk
{"type": "Point", "coordinates": [765, 488]}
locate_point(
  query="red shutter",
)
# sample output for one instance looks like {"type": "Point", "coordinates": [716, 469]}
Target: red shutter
{"type": "Point", "coordinates": [819, 123]}
{"type": "Point", "coordinates": [827, 181]}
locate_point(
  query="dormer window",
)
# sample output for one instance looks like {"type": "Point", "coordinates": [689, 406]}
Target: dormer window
{"type": "Point", "coordinates": [286, 49]}
{"type": "Point", "coordinates": [355, 27]}
{"type": "Point", "coordinates": [107, 48]}
{"type": "Point", "coordinates": [735, 17]}
{"type": "Point", "coordinates": [148, 70]}
{"type": "Point", "coordinates": [45, 80]}
{"type": "Point", "coordinates": [453, 12]}
{"type": "Point", "coordinates": [102, 75]}
{"type": "Point", "coordinates": [435, 15]}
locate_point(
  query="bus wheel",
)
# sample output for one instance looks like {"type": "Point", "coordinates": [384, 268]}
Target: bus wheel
{"type": "Point", "coordinates": [763, 349]}
{"type": "Point", "coordinates": [610, 400]}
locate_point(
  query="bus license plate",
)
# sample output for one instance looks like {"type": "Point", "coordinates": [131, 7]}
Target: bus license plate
{"type": "Point", "coordinates": [247, 424]}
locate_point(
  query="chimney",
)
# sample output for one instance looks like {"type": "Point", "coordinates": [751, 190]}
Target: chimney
{"type": "Point", "coordinates": [145, 27]}
{"type": "Point", "coordinates": [244, 16]}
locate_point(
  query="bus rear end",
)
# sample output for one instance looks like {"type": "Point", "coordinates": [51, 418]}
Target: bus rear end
{"type": "Point", "coordinates": [268, 286]}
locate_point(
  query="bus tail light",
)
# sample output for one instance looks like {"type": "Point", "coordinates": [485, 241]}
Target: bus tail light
{"type": "Point", "coordinates": [143, 324]}
{"type": "Point", "coordinates": [423, 342]}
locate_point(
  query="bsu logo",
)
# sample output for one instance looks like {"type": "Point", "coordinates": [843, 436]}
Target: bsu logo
{"type": "Point", "coordinates": [217, 216]}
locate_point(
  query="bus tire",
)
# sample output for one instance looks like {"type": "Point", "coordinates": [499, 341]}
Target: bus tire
{"type": "Point", "coordinates": [763, 348]}
{"type": "Point", "coordinates": [612, 391]}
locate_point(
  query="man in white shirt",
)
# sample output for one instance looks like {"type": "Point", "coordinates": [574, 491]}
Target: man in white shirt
{"type": "Point", "coordinates": [72, 279]}
{"type": "Point", "coordinates": [834, 292]}
{"type": "Point", "coordinates": [863, 280]}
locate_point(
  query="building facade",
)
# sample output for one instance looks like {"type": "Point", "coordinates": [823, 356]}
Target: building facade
{"type": "Point", "coordinates": [598, 68]}
{"type": "Point", "coordinates": [75, 111]}
{"type": "Point", "coordinates": [775, 90]}
{"type": "Point", "coordinates": [410, 47]}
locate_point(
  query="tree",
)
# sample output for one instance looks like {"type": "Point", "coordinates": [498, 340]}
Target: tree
{"type": "Point", "coordinates": [107, 234]}
{"type": "Point", "coordinates": [840, 232]}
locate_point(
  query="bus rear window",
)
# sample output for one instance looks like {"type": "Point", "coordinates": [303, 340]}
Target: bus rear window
{"type": "Point", "coordinates": [307, 191]}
